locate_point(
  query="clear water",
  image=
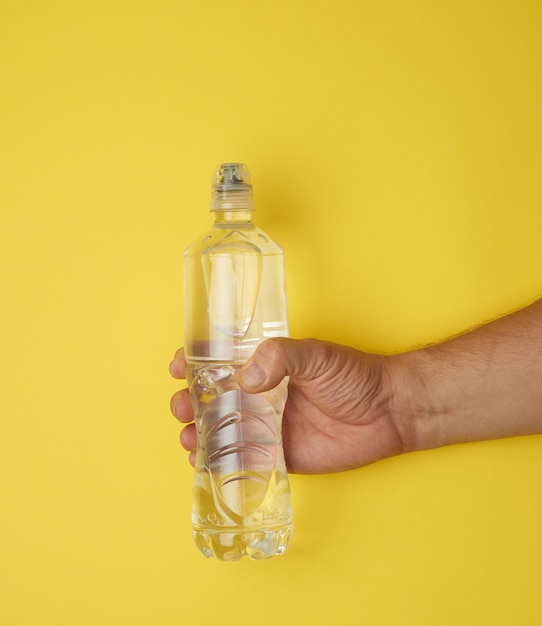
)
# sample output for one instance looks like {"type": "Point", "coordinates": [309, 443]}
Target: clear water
{"type": "Point", "coordinates": [241, 491]}
{"type": "Point", "coordinates": [235, 297]}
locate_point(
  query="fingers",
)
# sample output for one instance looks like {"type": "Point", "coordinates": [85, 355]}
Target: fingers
{"type": "Point", "coordinates": [181, 407]}
{"type": "Point", "coordinates": [177, 367]}
{"type": "Point", "coordinates": [279, 357]}
{"type": "Point", "coordinates": [182, 410]}
{"type": "Point", "coordinates": [188, 442]}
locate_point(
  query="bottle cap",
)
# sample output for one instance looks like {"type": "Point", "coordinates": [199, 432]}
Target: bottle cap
{"type": "Point", "coordinates": [231, 188]}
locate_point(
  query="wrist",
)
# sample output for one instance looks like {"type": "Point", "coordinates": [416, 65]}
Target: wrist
{"type": "Point", "coordinates": [414, 410]}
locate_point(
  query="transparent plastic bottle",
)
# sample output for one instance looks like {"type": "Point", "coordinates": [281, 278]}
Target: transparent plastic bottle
{"type": "Point", "coordinates": [235, 297]}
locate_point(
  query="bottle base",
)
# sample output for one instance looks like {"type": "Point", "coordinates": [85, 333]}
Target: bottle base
{"type": "Point", "coordinates": [235, 543]}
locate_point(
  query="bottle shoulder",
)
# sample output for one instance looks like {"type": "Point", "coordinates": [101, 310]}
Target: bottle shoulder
{"type": "Point", "coordinates": [216, 236]}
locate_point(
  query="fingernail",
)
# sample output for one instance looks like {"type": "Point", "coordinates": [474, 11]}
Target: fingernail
{"type": "Point", "coordinates": [253, 376]}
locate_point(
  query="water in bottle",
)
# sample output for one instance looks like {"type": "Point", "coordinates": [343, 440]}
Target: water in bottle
{"type": "Point", "coordinates": [235, 297]}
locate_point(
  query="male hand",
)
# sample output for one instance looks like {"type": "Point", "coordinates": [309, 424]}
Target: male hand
{"type": "Point", "coordinates": [338, 414]}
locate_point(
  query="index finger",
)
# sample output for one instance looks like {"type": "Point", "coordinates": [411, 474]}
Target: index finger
{"type": "Point", "coordinates": [177, 367]}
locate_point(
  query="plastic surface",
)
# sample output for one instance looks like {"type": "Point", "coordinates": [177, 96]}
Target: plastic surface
{"type": "Point", "coordinates": [235, 297]}
{"type": "Point", "coordinates": [231, 188]}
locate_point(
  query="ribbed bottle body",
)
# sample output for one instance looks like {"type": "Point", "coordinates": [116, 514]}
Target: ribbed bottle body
{"type": "Point", "coordinates": [235, 297]}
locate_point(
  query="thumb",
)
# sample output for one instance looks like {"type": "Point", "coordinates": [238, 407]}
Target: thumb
{"type": "Point", "coordinates": [276, 358]}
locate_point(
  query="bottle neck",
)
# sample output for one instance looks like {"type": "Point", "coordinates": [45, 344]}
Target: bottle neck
{"type": "Point", "coordinates": [230, 217]}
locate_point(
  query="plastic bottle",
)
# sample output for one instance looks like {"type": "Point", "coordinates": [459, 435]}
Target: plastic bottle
{"type": "Point", "coordinates": [235, 297]}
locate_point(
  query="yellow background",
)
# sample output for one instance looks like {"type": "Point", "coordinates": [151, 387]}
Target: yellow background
{"type": "Point", "coordinates": [396, 150]}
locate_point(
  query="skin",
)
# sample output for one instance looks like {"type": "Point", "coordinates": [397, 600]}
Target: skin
{"type": "Point", "coordinates": [347, 408]}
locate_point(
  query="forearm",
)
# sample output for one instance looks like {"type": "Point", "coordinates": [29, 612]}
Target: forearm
{"type": "Point", "coordinates": [485, 384]}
